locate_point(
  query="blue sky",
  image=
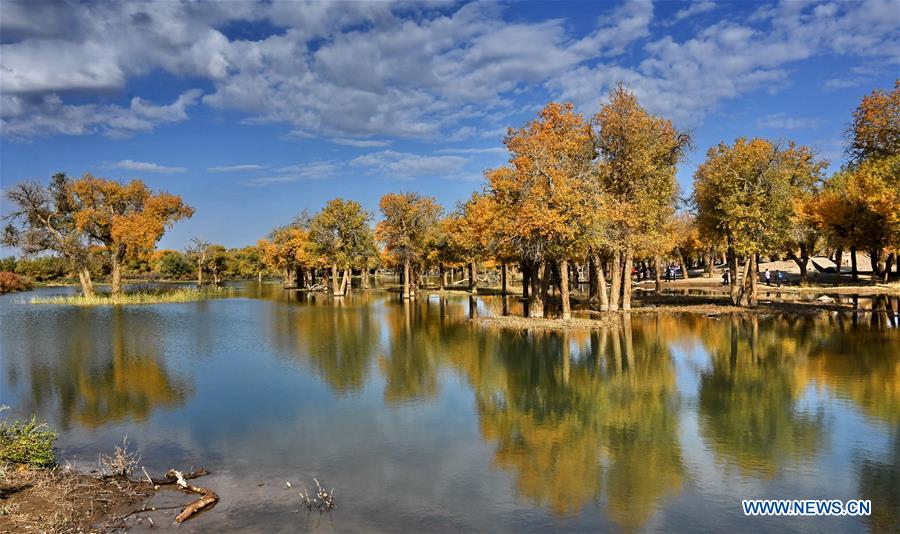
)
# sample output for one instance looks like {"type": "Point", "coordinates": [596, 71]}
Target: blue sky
{"type": "Point", "coordinates": [255, 111]}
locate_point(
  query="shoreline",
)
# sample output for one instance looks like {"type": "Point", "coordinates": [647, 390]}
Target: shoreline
{"type": "Point", "coordinates": [63, 500]}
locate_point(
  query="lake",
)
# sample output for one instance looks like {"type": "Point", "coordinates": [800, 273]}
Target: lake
{"type": "Point", "coordinates": [422, 420]}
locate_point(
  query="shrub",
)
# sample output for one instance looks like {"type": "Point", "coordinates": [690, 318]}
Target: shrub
{"type": "Point", "coordinates": [29, 443]}
{"type": "Point", "coordinates": [10, 282]}
{"type": "Point", "coordinates": [43, 269]}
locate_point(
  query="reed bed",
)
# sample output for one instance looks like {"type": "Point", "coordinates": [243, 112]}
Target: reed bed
{"type": "Point", "coordinates": [138, 297]}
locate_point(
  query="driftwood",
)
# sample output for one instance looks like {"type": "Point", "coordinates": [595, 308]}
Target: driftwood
{"type": "Point", "coordinates": [207, 496]}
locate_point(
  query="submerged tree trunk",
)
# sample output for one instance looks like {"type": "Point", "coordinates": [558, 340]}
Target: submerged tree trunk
{"type": "Point", "coordinates": [503, 278]}
{"type": "Point", "coordinates": [335, 281]}
{"type": "Point", "coordinates": [365, 278]}
{"type": "Point", "coordinates": [406, 279]}
{"type": "Point", "coordinates": [854, 272]}
{"type": "Point", "coordinates": [441, 276]}
{"type": "Point", "coordinates": [616, 281]}
{"type": "Point", "coordinates": [564, 289]}
{"type": "Point", "coordinates": [626, 281]}
{"type": "Point", "coordinates": [345, 282]}
{"type": "Point", "coordinates": [473, 277]}
{"type": "Point", "coordinates": [536, 307]}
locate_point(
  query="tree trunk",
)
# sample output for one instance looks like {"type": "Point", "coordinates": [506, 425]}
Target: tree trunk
{"type": "Point", "coordinates": [365, 278]}
{"type": "Point", "coordinates": [626, 281]}
{"type": "Point", "coordinates": [854, 272]}
{"type": "Point", "coordinates": [503, 278]}
{"type": "Point", "coordinates": [406, 279]}
{"type": "Point", "coordinates": [200, 271]}
{"type": "Point", "coordinates": [547, 272]}
{"type": "Point", "coordinates": [657, 267]}
{"type": "Point", "coordinates": [601, 283]}
{"type": "Point", "coordinates": [116, 274]}
{"type": "Point", "coordinates": [259, 276]}
{"type": "Point", "coordinates": [536, 307]}
{"type": "Point", "coordinates": [889, 262]}
{"type": "Point", "coordinates": [345, 283]}
{"type": "Point", "coordinates": [616, 283]}
{"type": "Point", "coordinates": [593, 293]}
{"type": "Point", "coordinates": [335, 280]}
{"type": "Point", "coordinates": [473, 277]}
{"type": "Point", "coordinates": [564, 289]}
{"type": "Point", "coordinates": [754, 279]}
{"type": "Point", "coordinates": [526, 278]}
{"type": "Point", "coordinates": [875, 258]}
{"type": "Point", "coordinates": [84, 276]}
{"type": "Point", "coordinates": [684, 267]}
{"type": "Point", "coordinates": [838, 260]}
{"type": "Point", "coordinates": [735, 289]}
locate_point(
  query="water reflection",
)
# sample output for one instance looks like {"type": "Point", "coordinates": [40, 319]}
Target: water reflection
{"type": "Point", "coordinates": [749, 396]}
{"type": "Point", "coordinates": [106, 373]}
{"type": "Point", "coordinates": [569, 430]}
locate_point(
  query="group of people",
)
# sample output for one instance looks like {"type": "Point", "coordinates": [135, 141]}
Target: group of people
{"type": "Point", "coordinates": [767, 277]}
{"type": "Point", "coordinates": [645, 272]}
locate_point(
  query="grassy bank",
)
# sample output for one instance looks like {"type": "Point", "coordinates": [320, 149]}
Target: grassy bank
{"type": "Point", "coordinates": [140, 297]}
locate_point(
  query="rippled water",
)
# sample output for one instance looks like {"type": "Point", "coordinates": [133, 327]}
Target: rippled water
{"type": "Point", "coordinates": [424, 421]}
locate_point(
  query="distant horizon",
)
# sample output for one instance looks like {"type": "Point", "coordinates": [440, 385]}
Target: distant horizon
{"type": "Point", "coordinates": [253, 112]}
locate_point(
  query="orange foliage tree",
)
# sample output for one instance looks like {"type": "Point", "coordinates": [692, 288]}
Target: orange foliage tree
{"type": "Point", "coordinates": [128, 219]}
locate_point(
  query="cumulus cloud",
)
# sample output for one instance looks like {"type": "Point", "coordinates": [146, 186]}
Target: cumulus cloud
{"type": "Point", "coordinates": [362, 73]}
{"type": "Point", "coordinates": [406, 166]}
{"type": "Point", "coordinates": [145, 166]}
{"type": "Point", "coordinates": [686, 80]}
{"type": "Point", "coordinates": [24, 116]}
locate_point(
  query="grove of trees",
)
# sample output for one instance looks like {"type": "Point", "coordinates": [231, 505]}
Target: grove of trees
{"type": "Point", "coordinates": [593, 197]}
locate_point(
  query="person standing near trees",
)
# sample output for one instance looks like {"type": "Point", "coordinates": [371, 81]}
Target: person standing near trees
{"type": "Point", "coordinates": [768, 276]}
{"type": "Point", "coordinates": [779, 276]}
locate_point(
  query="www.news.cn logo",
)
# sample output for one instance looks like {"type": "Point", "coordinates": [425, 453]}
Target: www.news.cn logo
{"type": "Point", "coordinates": [806, 507]}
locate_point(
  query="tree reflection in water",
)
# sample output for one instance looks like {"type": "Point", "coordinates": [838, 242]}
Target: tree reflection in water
{"type": "Point", "coordinates": [109, 375]}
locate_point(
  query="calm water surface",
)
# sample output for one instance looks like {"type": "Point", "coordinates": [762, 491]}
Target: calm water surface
{"type": "Point", "coordinates": [424, 421]}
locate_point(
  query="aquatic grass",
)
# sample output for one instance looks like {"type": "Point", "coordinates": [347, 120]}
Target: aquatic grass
{"type": "Point", "coordinates": [138, 297]}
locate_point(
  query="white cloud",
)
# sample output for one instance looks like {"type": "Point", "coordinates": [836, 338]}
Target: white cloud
{"type": "Point", "coordinates": [317, 170]}
{"type": "Point", "coordinates": [144, 166]}
{"type": "Point", "coordinates": [23, 116]}
{"type": "Point", "coordinates": [361, 73]}
{"type": "Point", "coordinates": [360, 143]}
{"type": "Point", "coordinates": [696, 8]}
{"type": "Point", "coordinates": [237, 168]}
{"type": "Point", "coordinates": [687, 80]}
{"type": "Point", "coordinates": [406, 166]}
{"type": "Point", "coordinates": [780, 121]}
{"type": "Point", "coordinates": [492, 150]}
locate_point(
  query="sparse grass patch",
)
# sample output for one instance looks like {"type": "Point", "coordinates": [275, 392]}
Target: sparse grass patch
{"type": "Point", "coordinates": [138, 297]}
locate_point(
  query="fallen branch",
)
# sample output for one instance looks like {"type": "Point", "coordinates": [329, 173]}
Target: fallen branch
{"type": "Point", "coordinates": [172, 478]}
{"type": "Point", "coordinates": [207, 496]}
